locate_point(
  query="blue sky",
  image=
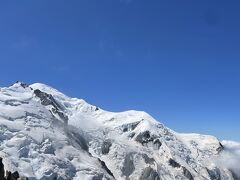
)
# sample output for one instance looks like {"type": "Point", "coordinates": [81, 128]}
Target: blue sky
{"type": "Point", "coordinates": [177, 60]}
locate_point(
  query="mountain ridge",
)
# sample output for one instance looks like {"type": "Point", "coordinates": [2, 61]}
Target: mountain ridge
{"type": "Point", "coordinates": [46, 134]}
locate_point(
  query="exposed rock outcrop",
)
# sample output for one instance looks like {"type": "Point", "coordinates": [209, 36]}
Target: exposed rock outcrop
{"type": "Point", "coordinates": [1, 169]}
{"type": "Point", "coordinates": [144, 137]}
{"type": "Point", "coordinates": [149, 174]}
{"type": "Point", "coordinates": [9, 175]}
{"type": "Point", "coordinates": [106, 146]}
{"type": "Point", "coordinates": [48, 99]}
{"type": "Point", "coordinates": [214, 174]}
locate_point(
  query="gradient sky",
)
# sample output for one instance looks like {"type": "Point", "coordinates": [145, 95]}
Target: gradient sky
{"type": "Point", "coordinates": [177, 60]}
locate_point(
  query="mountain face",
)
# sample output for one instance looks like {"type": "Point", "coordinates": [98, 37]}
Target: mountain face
{"type": "Point", "coordinates": [46, 135]}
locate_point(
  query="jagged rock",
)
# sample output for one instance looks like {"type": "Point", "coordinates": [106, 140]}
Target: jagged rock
{"type": "Point", "coordinates": [105, 167]}
{"type": "Point", "coordinates": [15, 175]}
{"type": "Point", "coordinates": [220, 148]}
{"type": "Point", "coordinates": [47, 148]}
{"type": "Point", "coordinates": [144, 137]}
{"type": "Point", "coordinates": [173, 163]}
{"type": "Point", "coordinates": [187, 174]}
{"type": "Point", "coordinates": [147, 159]}
{"type": "Point", "coordinates": [24, 85]}
{"type": "Point", "coordinates": [60, 114]}
{"type": "Point", "coordinates": [12, 176]}
{"type": "Point", "coordinates": [130, 126]}
{"type": "Point", "coordinates": [1, 169]}
{"type": "Point", "coordinates": [149, 174]}
{"type": "Point", "coordinates": [214, 174]}
{"type": "Point", "coordinates": [14, 102]}
{"type": "Point", "coordinates": [131, 135]}
{"type": "Point", "coordinates": [157, 143]}
{"type": "Point", "coordinates": [128, 165]}
{"type": "Point", "coordinates": [47, 99]}
{"type": "Point", "coordinates": [79, 139]}
{"type": "Point", "coordinates": [9, 175]}
{"type": "Point", "coordinates": [106, 147]}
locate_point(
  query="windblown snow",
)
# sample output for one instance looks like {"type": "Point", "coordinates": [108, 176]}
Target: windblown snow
{"type": "Point", "coordinates": [45, 134]}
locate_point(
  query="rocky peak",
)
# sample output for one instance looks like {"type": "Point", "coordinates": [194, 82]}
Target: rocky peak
{"type": "Point", "coordinates": [48, 100]}
{"type": "Point", "coordinates": [22, 84]}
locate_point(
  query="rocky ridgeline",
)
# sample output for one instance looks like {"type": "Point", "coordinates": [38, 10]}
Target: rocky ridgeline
{"type": "Point", "coordinates": [8, 175]}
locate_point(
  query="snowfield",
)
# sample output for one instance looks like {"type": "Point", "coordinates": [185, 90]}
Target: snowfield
{"type": "Point", "coordinates": [45, 134]}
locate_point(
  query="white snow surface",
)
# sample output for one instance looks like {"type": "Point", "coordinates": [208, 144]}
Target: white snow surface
{"type": "Point", "coordinates": [67, 138]}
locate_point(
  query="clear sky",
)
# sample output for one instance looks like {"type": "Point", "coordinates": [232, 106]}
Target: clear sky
{"type": "Point", "coordinates": [178, 60]}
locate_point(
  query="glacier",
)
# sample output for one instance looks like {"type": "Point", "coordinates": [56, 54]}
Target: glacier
{"type": "Point", "coordinates": [45, 134]}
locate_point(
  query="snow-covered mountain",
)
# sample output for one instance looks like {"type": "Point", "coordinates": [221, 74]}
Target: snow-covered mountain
{"type": "Point", "coordinates": [45, 134]}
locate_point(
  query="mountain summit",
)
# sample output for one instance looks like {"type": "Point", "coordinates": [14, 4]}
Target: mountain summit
{"type": "Point", "coordinates": [45, 134]}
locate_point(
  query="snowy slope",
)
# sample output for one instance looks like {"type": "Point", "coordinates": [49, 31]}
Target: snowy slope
{"type": "Point", "coordinates": [45, 134]}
